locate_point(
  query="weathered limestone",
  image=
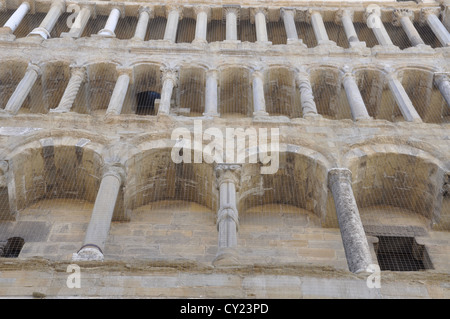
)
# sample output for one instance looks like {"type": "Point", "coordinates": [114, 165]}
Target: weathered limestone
{"type": "Point", "coordinates": [353, 236]}
{"type": "Point", "coordinates": [23, 89]}
{"type": "Point", "coordinates": [259, 102]}
{"type": "Point", "coordinates": [13, 22]}
{"type": "Point", "coordinates": [430, 16]}
{"type": "Point", "coordinates": [50, 20]}
{"type": "Point", "coordinates": [404, 18]}
{"type": "Point", "coordinates": [145, 13]}
{"type": "Point", "coordinates": [306, 94]}
{"type": "Point", "coordinates": [211, 101]}
{"type": "Point", "coordinates": [228, 181]}
{"type": "Point", "coordinates": [355, 100]}
{"type": "Point", "coordinates": [203, 13]}
{"type": "Point", "coordinates": [401, 97]}
{"type": "Point", "coordinates": [320, 31]}
{"type": "Point", "coordinates": [120, 91]}
{"type": "Point", "coordinates": [373, 21]}
{"type": "Point", "coordinates": [288, 15]}
{"type": "Point", "coordinates": [231, 16]}
{"type": "Point", "coordinates": [443, 83]}
{"type": "Point", "coordinates": [346, 18]}
{"type": "Point", "coordinates": [5, 211]}
{"type": "Point", "coordinates": [102, 213]}
{"type": "Point", "coordinates": [111, 23]}
{"type": "Point", "coordinates": [169, 81]}
{"type": "Point", "coordinates": [174, 14]}
{"type": "Point", "coordinates": [80, 23]}
{"type": "Point", "coordinates": [259, 15]}
{"type": "Point", "coordinates": [78, 75]}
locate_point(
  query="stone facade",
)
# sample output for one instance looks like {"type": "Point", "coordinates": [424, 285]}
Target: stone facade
{"type": "Point", "coordinates": [359, 92]}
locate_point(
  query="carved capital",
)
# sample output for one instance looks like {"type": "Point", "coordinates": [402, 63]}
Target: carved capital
{"type": "Point", "coordinates": [149, 10]}
{"type": "Point", "coordinates": [255, 11]}
{"type": "Point", "coordinates": [339, 175]}
{"type": "Point", "coordinates": [340, 14]}
{"type": "Point", "coordinates": [169, 74]}
{"type": "Point", "coordinates": [441, 76]}
{"type": "Point", "coordinates": [205, 9]}
{"type": "Point", "coordinates": [398, 14]}
{"type": "Point", "coordinates": [35, 68]}
{"type": "Point", "coordinates": [175, 7]}
{"type": "Point", "coordinates": [228, 173]}
{"type": "Point", "coordinates": [114, 169]}
{"type": "Point", "coordinates": [214, 73]}
{"type": "Point", "coordinates": [310, 12]}
{"type": "Point", "coordinates": [236, 9]}
{"type": "Point", "coordinates": [288, 11]}
{"type": "Point", "coordinates": [425, 12]}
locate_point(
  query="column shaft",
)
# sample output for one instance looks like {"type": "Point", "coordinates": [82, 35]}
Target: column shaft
{"type": "Point", "coordinates": [306, 95]}
{"type": "Point", "coordinates": [352, 232]}
{"type": "Point", "coordinates": [211, 93]}
{"type": "Point", "coordinates": [349, 27]}
{"type": "Point", "coordinates": [77, 77]}
{"type": "Point", "coordinates": [438, 29]}
{"type": "Point", "coordinates": [289, 25]}
{"type": "Point", "coordinates": [201, 26]}
{"type": "Point", "coordinates": [22, 90]}
{"type": "Point", "coordinates": [79, 24]}
{"type": "Point", "coordinates": [170, 32]}
{"type": "Point", "coordinates": [118, 95]}
{"type": "Point", "coordinates": [111, 23]}
{"type": "Point", "coordinates": [231, 24]}
{"type": "Point", "coordinates": [17, 17]}
{"type": "Point", "coordinates": [141, 28]}
{"type": "Point", "coordinates": [227, 216]}
{"type": "Point", "coordinates": [319, 27]}
{"type": "Point", "coordinates": [261, 27]}
{"type": "Point", "coordinates": [259, 103]}
{"type": "Point", "coordinates": [403, 101]}
{"type": "Point", "coordinates": [410, 30]}
{"type": "Point", "coordinates": [374, 22]}
{"type": "Point", "coordinates": [169, 80]}
{"type": "Point", "coordinates": [355, 100]}
{"type": "Point", "coordinates": [443, 84]}
{"type": "Point", "coordinates": [46, 26]}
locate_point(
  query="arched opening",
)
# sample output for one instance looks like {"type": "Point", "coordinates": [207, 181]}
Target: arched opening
{"type": "Point", "coordinates": [281, 94]}
{"type": "Point", "coordinates": [186, 30]}
{"type": "Point", "coordinates": [11, 73]}
{"type": "Point", "coordinates": [235, 97]}
{"type": "Point", "coordinates": [100, 84]}
{"type": "Point", "coordinates": [375, 94]}
{"type": "Point", "coordinates": [216, 31]}
{"type": "Point", "coordinates": [54, 81]}
{"type": "Point", "coordinates": [276, 32]}
{"type": "Point", "coordinates": [305, 32]}
{"type": "Point", "coordinates": [146, 90]}
{"type": "Point", "coordinates": [156, 28]}
{"type": "Point", "coordinates": [191, 91]}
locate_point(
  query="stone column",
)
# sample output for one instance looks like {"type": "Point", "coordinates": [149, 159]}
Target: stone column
{"type": "Point", "coordinates": [23, 89]}
{"type": "Point", "coordinates": [404, 18]}
{"type": "Point", "coordinates": [319, 27]}
{"type": "Point", "coordinates": [231, 16]}
{"type": "Point", "coordinates": [259, 16]}
{"type": "Point", "coordinates": [345, 17]}
{"type": "Point", "coordinates": [174, 13]}
{"type": "Point", "coordinates": [203, 13]}
{"type": "Point", "coordinates": [306, 94]}
{"type": "Point", "coordinates": [79, 24]}
{"type": "Point", "coordinates": [443, 83]}
{"type": "Point", "coordinates": [17, 17]}
{"type": "Point", "coordinates": [211, 93]}
{"type": "Point", "coordinates": [228, 179]}
{"type": "Point", "coordinates": [354, 238]}
{"type": "Point", "coordinates": [145, 13]}
{"type": "Point", "coordinates": [102, 213]}
{"type": "Point", "coordinates": [401, 97]}
{"type": "Point", "coordinates": [355, 100]}
{"type": "Point", "coordinates": [5, 210]}
{"type": "Point", "coordinates": [259, 102]}
{"type": "Point", "coordinates": [120, 91]}
{"type": "Point", "coordinates": [78, 74]}
{"type": "Point", "coordinates": [169, 81]}
{"type": "Point", "coordinates": [374, 22]}
{"type": "Point", "coordinates": [430, 17]}
{"type": "Point", "coordinates": [50, 19]}
{"type": "Point", "coordinates": [111, 23]}
{"type": "Point", "coordinates": [288, 15]}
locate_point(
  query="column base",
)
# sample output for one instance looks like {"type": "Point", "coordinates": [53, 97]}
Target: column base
{"type": "Point", "coordinates": [263, 43]}
{"type": "Point", "coordinates": [200, 42]}
{"type": "Point", "coordinates": [358, 44]}
{"type": "Point", "coordinates": [312, 116]}
{"type": "Point", "coordinates": [226, 257]}
{"type": "Point", "coordinates": [56, 110]}
{"type": "Point", "coordinates": [41, 32]}
{"type": "Point", "coordinates": [295, 42]}
{"type": "Point", "coordinates": [105, 33]}
{"type": "Point", "coordinates": [260, 116]}
{"type": "Point", "coordinates": [88, 253]}
{"type": "Point", "coordinates": [211, 115]}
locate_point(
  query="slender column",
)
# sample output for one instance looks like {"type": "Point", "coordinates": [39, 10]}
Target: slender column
{"type": "Point", "coordinates": [17, 17]}
{"type": "Point", "coordinates": [77, 77]}
{"type": "Point", "coordinates": [203, 14]}
{"type": "Point", "coordinates": [319, 27]}
{"type": "Point", "coordinates": [228, 178]}
{"type": "Point", "coordinates": [169, 80]}
{"type": "Point", "coordinates": [306, 94]}
{"type": "Point", "coordinates": [50, 20]}
{"type": "Point", "coordinates": [231, 16]}
{"type": "Point", "coordinates": [79, 24]}
{"type": "Point", "coordinates": [23, 89]}
{"type": "Point", "coordinates": [353, 236]}
{"type": "Point", "coordinates": [346, 18]}
{"type": "Point", "coordinates": [401, 97]}
{"type": "Point", "coordinates": [111, 23]}
{"type": "Point", "coordinates": [355, 100]}
{"type": "Point", "coordinates": [120, 91]}
{"type": "Point", "coordinates": [404, 18]}
{"type": "Point", "coordinates": [259, 102]}
{"type": "Point", "coordinates": [145, 13]}
{"type": "Point", "coordinates": [102, 213]}
{"type": "Point", "coordinates": [211, 93]}
{"type": "Point", "coordinates": [443, 83]}
{"type": "Point", "coordinates": [259, 16]}
{"type": "Point", "coordinates": [374, 22]}
{"type": "Point", "coordinates": [174, 13]}
{"type": "Point", "coordinates": [430, 16]}
{"type": "Point", "coordinates": [288, 15]}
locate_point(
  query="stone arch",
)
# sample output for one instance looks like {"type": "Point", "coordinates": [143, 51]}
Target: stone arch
{"type": "Point", "coordinates": [191, 89]}
{"type": "Point", "coordinates": [55, 76]}
{"type": "Point", "coordinates": [398, 182]}
{"type": "Point", "coordinates": [280, 92]}
{"type": "Point", "coordinates": [147, 78]}
{"type": "Point", "coordinates": [11, 73]}
{"type": "Point", "coordinates": [235, 95]}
